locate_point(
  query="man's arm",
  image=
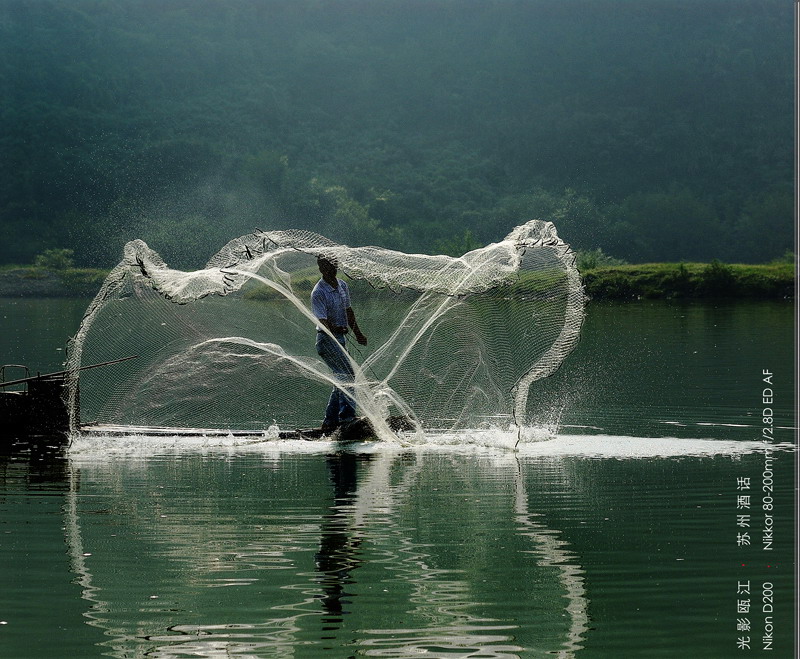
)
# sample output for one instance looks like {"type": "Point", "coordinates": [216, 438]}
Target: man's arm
{"type": "Point", "coordinates": [351, 320]}
{"type": "Point", "coordinates": [333, 329]}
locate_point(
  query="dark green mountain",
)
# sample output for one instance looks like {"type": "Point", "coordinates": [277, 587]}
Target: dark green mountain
{"type": "Point", "coordinates": [654, 129]}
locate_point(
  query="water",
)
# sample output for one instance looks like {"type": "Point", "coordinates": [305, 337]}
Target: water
{"type": "Point", "coordinates": [34, 332]}
{"type": "Point", "coordinates": [616, 539]}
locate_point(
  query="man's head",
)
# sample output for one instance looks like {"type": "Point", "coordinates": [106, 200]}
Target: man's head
{"type": "Point", "coordinates": [327, 267]}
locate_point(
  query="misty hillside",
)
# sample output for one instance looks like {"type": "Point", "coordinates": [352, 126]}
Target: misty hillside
{"type": "Point", "coordinates": [653, 129]}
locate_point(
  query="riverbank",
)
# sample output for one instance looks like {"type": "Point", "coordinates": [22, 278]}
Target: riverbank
{"type": "Point", "coordinates": [690, 281]}
{"type": "Point", "coordinates": [619, 282]}
{"type": "Point", "coordinates": [30, 281]}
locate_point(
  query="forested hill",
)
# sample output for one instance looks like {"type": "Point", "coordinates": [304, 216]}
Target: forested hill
{"type": "Point", "coordinates": [654, 129]}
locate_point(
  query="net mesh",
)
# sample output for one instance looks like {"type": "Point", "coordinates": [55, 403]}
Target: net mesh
{"type": "Point", "coordinates": [454, 343]}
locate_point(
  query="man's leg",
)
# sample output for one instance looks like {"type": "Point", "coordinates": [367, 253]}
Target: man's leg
{"type": "Point", "coordinates": [341, 406]}
{"type": "Point", "coordinates": [331, 420]}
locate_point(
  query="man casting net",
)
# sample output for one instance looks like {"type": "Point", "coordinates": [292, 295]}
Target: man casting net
{"type": "Point", "coordinates": [454, 343]}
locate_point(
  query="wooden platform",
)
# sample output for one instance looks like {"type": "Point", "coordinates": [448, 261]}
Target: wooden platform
{"type": "Point", "coordinates": [112, 430]}
{"type": "Point", "coordinates": [359, 430]}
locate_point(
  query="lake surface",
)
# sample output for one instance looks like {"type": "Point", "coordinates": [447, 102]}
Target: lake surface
{"type": "Point", "coordinates": [621, 537]}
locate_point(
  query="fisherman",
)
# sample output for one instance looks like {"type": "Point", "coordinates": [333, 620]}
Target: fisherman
{"type": "Point", "coordinates": [330, 304]}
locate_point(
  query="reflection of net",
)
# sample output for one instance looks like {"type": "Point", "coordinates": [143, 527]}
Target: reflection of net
{"type": "Point", "coordinates": [453, 342]}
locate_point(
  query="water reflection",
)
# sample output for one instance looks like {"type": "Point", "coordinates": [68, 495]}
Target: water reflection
{"type": "Point", "coordinates": [416, 554]}
{"type": "Point", "coordinates": [339, 549]}
{"type": "Point", "coordinates": [553, 552]}
{"type": "Point", "coordinates": [98, 608]}
{"type": "Point", "coordinates": [458, 605]}
{"type": "Point", "coordinates": [35, 467]}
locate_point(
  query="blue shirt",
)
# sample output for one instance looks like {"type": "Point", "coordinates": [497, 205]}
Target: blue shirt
{"type": "Point", "coordinates": [331, 303]}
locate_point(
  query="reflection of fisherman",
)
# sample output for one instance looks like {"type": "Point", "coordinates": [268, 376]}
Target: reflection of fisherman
{"type": "Point", "coordinates": [330, 304]}
{"type": "Point", "coordinates": [339, 550]}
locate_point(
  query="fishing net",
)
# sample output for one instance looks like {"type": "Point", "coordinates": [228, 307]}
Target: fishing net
{"type": "Point", "coordinates": [454, 343]}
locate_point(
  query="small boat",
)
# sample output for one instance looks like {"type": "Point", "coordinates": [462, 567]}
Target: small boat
{"type": "Point", "coordinates": [35, 411]}
{"type": "Point", "coordinates": [33, 408]}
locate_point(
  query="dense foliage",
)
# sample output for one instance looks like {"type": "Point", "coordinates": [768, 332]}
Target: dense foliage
{"type": "Point", "coordinates": [652, 129]}
{"type": "Point", "coordinates": [691, 281]}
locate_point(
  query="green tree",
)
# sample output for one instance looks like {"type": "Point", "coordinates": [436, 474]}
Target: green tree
{"type": "Point", "coordinates": [55, 259]}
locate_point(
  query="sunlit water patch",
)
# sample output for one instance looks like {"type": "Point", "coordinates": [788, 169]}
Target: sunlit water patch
{"type": "Point", "coordinates": [86, 448]}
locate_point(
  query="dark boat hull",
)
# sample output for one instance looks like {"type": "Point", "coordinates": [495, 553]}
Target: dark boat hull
{"type": "Point", "coordinates": [38, 412]}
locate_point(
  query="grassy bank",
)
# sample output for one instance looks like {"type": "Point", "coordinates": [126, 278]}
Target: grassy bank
{"type": "Point", "coordinates": [690, 281]}
{"type": "Point", "coordinates": [32, 281]}
{"type": "Point", "coordinates": [618, 282]}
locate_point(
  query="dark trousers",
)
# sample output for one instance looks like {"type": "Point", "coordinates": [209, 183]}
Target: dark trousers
{"type": "Point", "coordinates": [341, 406]}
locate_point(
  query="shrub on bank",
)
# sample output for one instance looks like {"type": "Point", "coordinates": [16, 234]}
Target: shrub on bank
{"type": "Point", "coordinates": [55, 259]}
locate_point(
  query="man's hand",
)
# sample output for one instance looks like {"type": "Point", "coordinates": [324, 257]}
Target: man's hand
{"type": "Point", "coordinates": [351, 320]}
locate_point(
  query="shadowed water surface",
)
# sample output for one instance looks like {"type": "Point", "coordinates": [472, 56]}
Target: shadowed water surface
{"type": "Point", "coordinates": [383, 553]}
{"type": "Point", "coordinates": [621, 537]}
